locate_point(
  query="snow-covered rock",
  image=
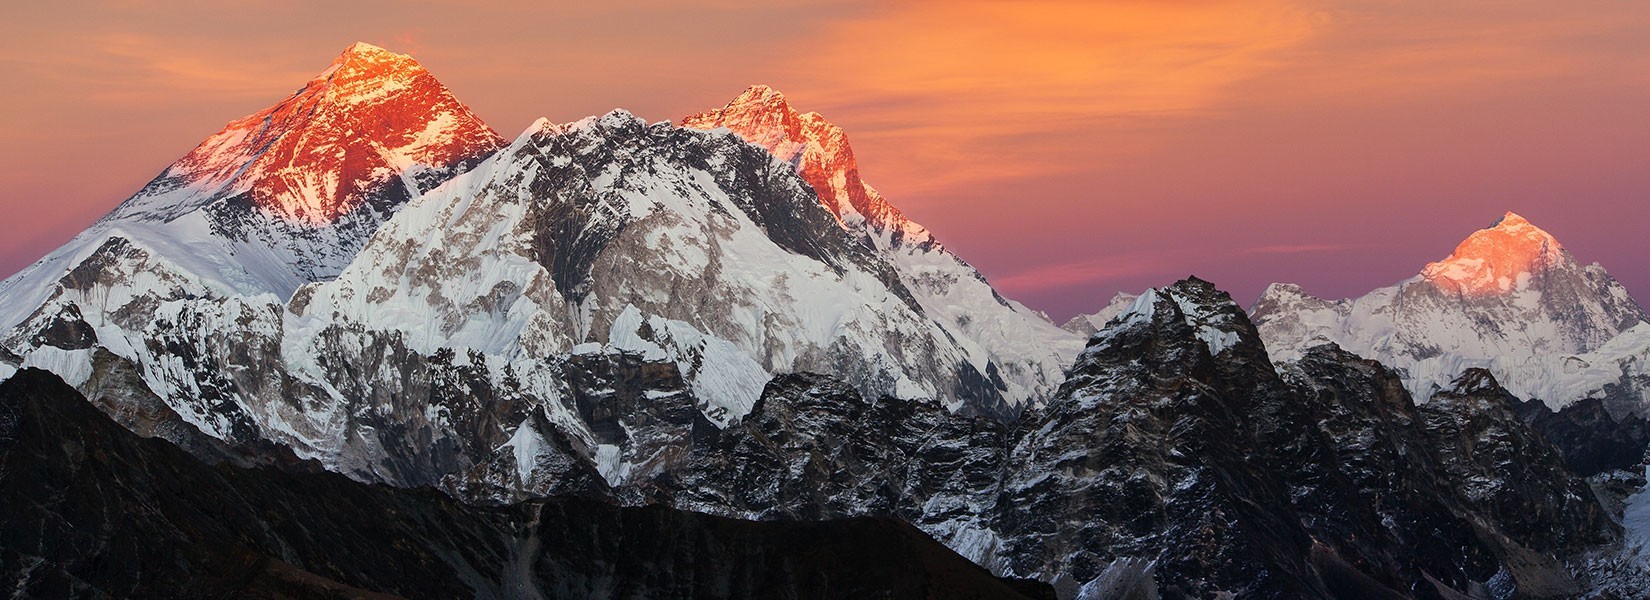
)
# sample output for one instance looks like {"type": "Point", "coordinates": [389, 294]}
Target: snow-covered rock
{"type": "Point", "coordinates": [287, 195]}
{"type": "Point", "coordinates": [559, 317]}
{"type": "Point", "coordinates": [1510, 299]}
{"type": "Point", "coordinates": [681, 245]}
{"type": "Point", "coordinates": [1029, 351]}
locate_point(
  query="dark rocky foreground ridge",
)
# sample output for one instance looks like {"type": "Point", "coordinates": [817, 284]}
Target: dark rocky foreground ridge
{"type": "Point", "coordinates": [93, 510]}
{"type": "Point", "coordinates": [1177, 461]}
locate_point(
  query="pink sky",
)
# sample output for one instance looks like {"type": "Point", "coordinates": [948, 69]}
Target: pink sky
{"type": "Point", "coordinates": [1070, 150]}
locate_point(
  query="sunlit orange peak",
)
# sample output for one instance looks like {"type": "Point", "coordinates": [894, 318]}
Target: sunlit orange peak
{"type": "Point", "coordinates": [820, 151]}
{"type": "Point", "coordinates": [1499, 259]}
{"type": "Point", "coordinates": [331, 146]}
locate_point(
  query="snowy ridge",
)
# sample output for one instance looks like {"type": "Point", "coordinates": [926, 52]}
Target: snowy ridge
{"type": "Point", "coordinates": [649, 246]}
{"type": "Point", "coordinates": [1031, 352]}
{"type": "Point", "coordinates": [1510, 299]}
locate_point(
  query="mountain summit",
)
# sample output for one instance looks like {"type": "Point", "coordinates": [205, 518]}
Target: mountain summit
{"type": "Point", "coordinates": [1030, 351]}
{"type": "Point", "coordinates": [820, 152]}
{"type": "Point", "coordinates": [1510, 299]}
{"type": "Point", "coordinates": [1497, 259]}
{"type": "Point", "coordinates": [339, 143]}
{"type": "Point", "coordinates": [208, 252]}
{"type": "Point", "coordinates": [287, 195]}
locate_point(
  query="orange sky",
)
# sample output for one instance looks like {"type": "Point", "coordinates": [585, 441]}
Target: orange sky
{"type": "Point", "coordinates": [1068, 149]}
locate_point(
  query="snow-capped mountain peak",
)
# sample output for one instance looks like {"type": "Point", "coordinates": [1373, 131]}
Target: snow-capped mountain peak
{"type": "Point", "coordinates": [1510, 299]}
{"type": "Point", "coordinates": [281, 198]}
{"type": "Point", "coordinates": [1088, 324]}
{"type": "Point", "coordinates": [1496, 259]}
{"type": "Point", "coordinates": [287, 195]}
{"type": "Point", "coordinates": [322, 152]}
{"type": "Point", "coordinates": [1030, 350]}
{"type": "Point", "coordinates": [820, 152]}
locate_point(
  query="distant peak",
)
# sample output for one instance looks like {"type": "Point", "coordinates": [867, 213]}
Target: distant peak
{"type": "Point", "coordinates": [327, 149]}
{"type": "Point", "coordinates": [1497, 259]}
{"type": "Point", "coordinates": [821, 154]}
{"type": "Point", "coordinates": [760, 99]}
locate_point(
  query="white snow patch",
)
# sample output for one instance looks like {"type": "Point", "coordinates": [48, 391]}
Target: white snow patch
{"type": "Point", "coordinates": [527, 444]}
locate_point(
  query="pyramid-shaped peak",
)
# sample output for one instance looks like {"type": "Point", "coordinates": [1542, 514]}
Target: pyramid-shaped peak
{"type": "Point", "coordinates": [1497, 259]}
{"type": "Point", "coordinates": [820, 152]}
{"type": "Point", "coordinates": [332, 146]}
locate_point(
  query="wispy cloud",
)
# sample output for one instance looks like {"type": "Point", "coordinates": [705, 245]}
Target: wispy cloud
{"type": "Point", "coordinates": [975, 90]}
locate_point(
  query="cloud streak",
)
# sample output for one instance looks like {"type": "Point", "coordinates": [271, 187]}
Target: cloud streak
{"type": "Point", "coordinates": [976, 90]}
{"type": "Point", "coordinates": [1168, 264]}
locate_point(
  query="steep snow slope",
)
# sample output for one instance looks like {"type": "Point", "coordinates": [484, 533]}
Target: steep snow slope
{"type": "Point", "coordinates": [1510, 299]}
{"type": "Point", "coordinates": [1029, 350]}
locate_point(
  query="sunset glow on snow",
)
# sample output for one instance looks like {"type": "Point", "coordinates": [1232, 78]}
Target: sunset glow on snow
{"type": "Point", "coordinates": [1068, 149]}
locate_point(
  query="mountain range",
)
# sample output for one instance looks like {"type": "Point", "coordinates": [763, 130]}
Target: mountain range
{"type": "Point", "coordinates": [364, 300]}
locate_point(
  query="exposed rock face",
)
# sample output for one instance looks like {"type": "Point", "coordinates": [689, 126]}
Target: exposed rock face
{"type": "Point", "coordinates": [95, 511]}
{"type": "Point", "coordinates": [1508, 470]}
{"type": "Point", "coordinates": [813, 448]}
{"type": "Point", "coordinates": [1328, 479]}
{"type": "Point", "coordinates": [1148, 453]}
{"type": "Point", "coordinates": [1510, 299]}
{"type": "Point", "coordinates": [1592, 440]}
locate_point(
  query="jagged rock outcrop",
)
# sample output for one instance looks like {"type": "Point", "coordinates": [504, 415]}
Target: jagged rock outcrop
{"type": "Point", "coordinates": [1593, 441]}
